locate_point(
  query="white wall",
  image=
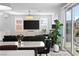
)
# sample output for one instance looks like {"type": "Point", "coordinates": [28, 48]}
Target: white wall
{"type": "Point", "coordinates": [7, 25]}
{"type": "Point", "coordinates": [41, 19]}
{"type": "Point", "coordinates": [62, 18]}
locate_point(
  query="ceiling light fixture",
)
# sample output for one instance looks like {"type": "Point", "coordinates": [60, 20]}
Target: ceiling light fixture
{"type": "Point", "coordinates": [2, 7]}
{"type": "Point", "coordinates": [29, 17]}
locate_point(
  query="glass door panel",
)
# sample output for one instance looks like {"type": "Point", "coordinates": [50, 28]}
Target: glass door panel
{"type": "Point", "coordinates": [76, 30]}
{"type": "Point", "coordinates": [68, 30]}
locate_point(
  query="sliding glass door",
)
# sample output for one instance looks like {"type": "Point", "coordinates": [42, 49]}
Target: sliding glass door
{"type": "Point", "coordinates": [72, 30]}
{"type": "Point", "coordinates": [76, 30]}
{"type": "Point", "coordinates": [68, 30]}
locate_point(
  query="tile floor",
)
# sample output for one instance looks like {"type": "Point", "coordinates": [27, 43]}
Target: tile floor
{"type": "Point", "coordinates": [60, 53]}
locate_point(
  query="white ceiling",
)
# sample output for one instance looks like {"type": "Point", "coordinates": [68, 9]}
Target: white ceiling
{"type": "Point", "coordinates": [34, 7]}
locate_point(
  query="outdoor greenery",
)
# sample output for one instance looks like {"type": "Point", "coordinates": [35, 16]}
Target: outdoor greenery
{"type": "Point", "coordinates": [77, 34]}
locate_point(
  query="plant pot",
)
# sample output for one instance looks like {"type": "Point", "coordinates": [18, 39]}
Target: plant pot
{"type": "Point", "coordinates": [56, 48]}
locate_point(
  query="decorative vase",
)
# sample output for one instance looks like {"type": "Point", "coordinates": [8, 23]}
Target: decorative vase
{"type": "Point", "coordinates": [56, 48]}
{"type": "Point", "coordinates": [19, 40]}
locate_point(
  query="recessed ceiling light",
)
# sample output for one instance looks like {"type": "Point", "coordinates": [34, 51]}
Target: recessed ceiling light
{"type": "Point", "coordinates": [2, 7]}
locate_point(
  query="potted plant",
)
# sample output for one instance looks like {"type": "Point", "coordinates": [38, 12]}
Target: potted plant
{"type": "Point", "coordinates": [55, 35]}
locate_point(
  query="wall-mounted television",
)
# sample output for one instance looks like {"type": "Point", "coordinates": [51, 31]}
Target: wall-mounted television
{"type": "Point", "coordinates": [31, 24]}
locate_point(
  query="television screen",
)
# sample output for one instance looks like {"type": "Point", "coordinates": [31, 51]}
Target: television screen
{"type": "Point", "coordinates": [31, 24]}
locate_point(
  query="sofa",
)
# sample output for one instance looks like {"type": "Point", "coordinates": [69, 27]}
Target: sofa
{"type": "Point", "coordinates": [26, 38]}
{"type": "Point", "coordinates": [9, 38]}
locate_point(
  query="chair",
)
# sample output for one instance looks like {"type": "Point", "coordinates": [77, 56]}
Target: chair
{"type": "Point", "coordinates": [8, 47]}
{"type": "Point", "coordinates": [46, 49]}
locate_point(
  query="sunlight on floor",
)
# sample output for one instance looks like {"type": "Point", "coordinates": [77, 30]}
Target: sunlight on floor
{"type": "Point", "coordinates": [68, 46]}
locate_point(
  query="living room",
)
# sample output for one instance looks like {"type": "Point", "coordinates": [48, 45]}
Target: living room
{"type": "Point", "coordinates": [27, 27]}
{"type": "Point", "coordinates": [32, 22]}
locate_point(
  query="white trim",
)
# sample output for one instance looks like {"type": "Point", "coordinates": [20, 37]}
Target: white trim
{"type": "Point", "coordinates": [65, 30]}
{"type": "Point", "coordinates": [26, 13]}
{"type": "Point", "coordinates": [69, 5]}
{"type": "Point", "coordinates": [66, 5]}
{"type": "Point", "coordinates": [72, 31]}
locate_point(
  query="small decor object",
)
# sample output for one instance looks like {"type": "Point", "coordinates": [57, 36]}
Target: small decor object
{"type": "Point", "coordinates": [20, 38]}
